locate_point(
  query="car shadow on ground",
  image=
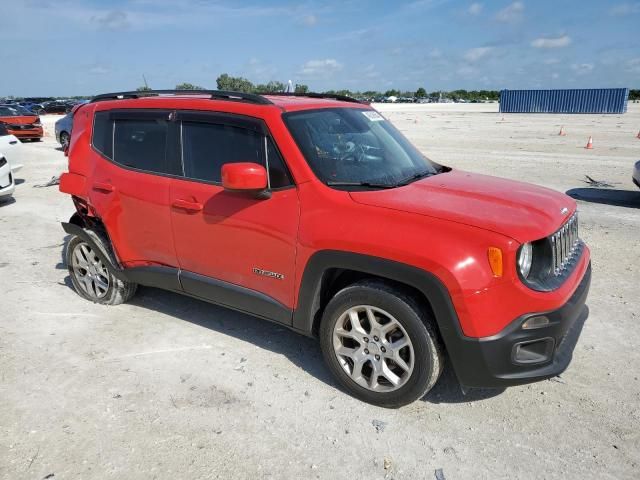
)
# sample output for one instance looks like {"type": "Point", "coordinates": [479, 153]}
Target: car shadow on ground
{"type": "Point", "coordinates": [302, 351]}
{"type": "Point", "coordinates": [6, 201]}
{"type": "Point", "coordinates": [607, 196]}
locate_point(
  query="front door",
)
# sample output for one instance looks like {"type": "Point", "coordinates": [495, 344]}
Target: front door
{"type": "Point", "coordinates": [233, 244]}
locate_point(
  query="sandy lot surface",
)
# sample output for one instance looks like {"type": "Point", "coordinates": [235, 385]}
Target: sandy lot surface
{"type": "Point", "coordinates": [170, 387]}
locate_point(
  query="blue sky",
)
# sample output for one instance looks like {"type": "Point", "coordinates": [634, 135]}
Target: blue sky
{"type": "Point", "coordinates": [84, 47]}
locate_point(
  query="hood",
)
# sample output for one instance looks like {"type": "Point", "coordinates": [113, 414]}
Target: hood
{"type": "Point", "coordinates": [20, 120]}
{"type": "Point", "coordinates": [518, 210]}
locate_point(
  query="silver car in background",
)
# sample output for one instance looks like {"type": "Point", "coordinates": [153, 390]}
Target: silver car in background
{"type": "Point", "coordinates": [63, 129]}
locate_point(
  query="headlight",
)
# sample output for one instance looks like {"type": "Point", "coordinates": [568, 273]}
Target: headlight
{"type": "Point", "coordinates": [525, 259]}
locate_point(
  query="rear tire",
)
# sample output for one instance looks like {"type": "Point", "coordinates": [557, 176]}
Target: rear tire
{"type": "Point", "coordinates": [91, 278]}
{"type": "Point", "coordinates": [381, 344]}
{"type": "Point", "coordinates": [64, 139]}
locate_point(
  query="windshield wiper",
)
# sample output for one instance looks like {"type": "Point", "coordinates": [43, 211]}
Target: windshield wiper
{"type": "Point", "coordinates": [360, 184]}
{"type": "Point", "coordinates": [412, 178]}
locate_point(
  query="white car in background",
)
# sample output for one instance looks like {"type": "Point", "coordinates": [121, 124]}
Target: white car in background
{"type": "Point", "coordinates": [10, 161]}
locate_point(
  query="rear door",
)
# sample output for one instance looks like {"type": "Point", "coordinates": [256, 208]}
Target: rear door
{"type": "Point", "coordinates": [134, 150]}
{"type": "Point", "coordinates": [233, 237]}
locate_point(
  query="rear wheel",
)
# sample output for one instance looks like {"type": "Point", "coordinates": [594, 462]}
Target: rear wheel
{"type": "Point", "coordinates": [380, 344]}
{"type": "Point", "coordinates": [64, 139]}
{"type": "Point", "coordinates": [92, 278]}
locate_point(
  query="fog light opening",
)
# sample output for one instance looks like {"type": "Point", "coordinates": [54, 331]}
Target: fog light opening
{"type": "Point", "coordinates": [535, 351]}
{"type": "Point", "coordinates": [535, 322]}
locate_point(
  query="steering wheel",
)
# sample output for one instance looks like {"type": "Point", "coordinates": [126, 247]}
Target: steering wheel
{"type": "Point", "coordinates": [348, 151]}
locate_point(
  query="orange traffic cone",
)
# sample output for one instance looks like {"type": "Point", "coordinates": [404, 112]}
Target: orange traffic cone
{"type": "Point", "coordinates": [562, 133]}
{"type": "Point", "coordinates": [589, 143]}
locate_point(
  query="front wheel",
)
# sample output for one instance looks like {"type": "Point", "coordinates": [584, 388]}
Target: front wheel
{"type": "Point", "coordinates": [93, 279]}
{"type": "Point", "coordinates": [380, 344]}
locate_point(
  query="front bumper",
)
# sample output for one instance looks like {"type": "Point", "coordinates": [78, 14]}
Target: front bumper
{"type": "Point", "coordinates": [7, 184]}
{"type": "Point", "coordinates": [516, 356]}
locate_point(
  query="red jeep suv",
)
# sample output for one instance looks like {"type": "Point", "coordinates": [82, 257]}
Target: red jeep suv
{"type": "Point", "coordinates": [314, 212]}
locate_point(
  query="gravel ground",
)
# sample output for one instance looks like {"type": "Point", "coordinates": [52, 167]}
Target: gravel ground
{"type": "Point", "coordinates": [171, 387]}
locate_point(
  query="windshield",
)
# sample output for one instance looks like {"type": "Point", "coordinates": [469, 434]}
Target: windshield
{"type": "Point", "coordinates": [23, 110]}
{"type": "Point", "coordinates": [6, 111]}
{"type": "Point", "coordinates": [349, 146]}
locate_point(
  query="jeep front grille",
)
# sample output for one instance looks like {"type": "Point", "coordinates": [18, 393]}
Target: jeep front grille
{"type": "Point", "coordinates": [564, 245]}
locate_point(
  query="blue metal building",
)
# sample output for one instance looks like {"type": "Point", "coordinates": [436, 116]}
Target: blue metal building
{"type": "Point", "coordinates": [592, 100]}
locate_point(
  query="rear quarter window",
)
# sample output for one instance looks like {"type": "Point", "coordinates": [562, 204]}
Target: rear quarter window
{"type": "Point", "coordinates": [102, 139]}
{"type": "Point", "coordinates": [134, 143]}
{"type": "Point", "coordinates": [140, 144]}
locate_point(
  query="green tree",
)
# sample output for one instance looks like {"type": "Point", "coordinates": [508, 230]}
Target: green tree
{"type": "Point", "coordinates": [188, 86]}
{"type": "Point", "coordinates": [421, 93]}
{"type": "Point", "coordinates": [301, 88]}
{"type": "Point", "coordinates": [271, 87]}
{"type": "Point", "coordinates": [143, 88]}
{"type": "Point", "coordinates": [234, 84]}
{"type": "Point", "coordinates": [392, 93]}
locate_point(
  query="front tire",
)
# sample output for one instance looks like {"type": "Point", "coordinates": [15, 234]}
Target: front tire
{"type": "Point", "coordinates": [380, 344]}
{"type": "Point", "coordinates": [94, 280]}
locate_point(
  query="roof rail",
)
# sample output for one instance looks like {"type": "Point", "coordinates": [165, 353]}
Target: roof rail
{"type": "Point", "coordinates": [213, 95]}
{"type": "Point", "coordinates": [342, 98]}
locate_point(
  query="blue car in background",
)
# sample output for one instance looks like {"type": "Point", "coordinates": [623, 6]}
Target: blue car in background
{"type": "Point", "coordinates": [63, 129]}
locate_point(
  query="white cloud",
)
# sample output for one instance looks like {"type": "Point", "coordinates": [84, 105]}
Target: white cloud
{"type": "Point", "coordinates": [555, 76]}
{"type": "Point", "coordinates": [511, 13]}
{"type": "Point", "coordinates": [552, 42]}
{"type": "Point", "coordinates": [475, 9]}
{"type": "Point", "coordinates": [625, 9]}
{"type": "Point", "coordinates": [434, 53]}
{"type": "Point", "coordinates": [113, 20]}
{"type": "Point", "coordinates": [371, 72]}
{"type": "Point", "coordinates": [475, 54]}
{"type": "Point", "coordinates": [582, 68]}
{"type": "Point", "coordinates": [321, 67]}
{"type": "Point", "coordinates": [309, 20]}
{"type": "Point", "coordinates": [466, 71]}
{"type": "Point", "coordinates": [633, 65]}
{"type": "Point", "coordinates": [98, 70]}
{"type": "Point", "coordinates": [551, 61]}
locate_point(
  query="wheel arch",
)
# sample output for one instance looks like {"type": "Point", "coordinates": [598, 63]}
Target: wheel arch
{"type": "Point", "coordinates": [92, 230]}
{"type": "Point", "coordinates": [328, 271]}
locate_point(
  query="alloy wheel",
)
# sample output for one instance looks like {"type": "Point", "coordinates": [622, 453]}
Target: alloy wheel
{"type": "Point", "coordinates": [373, 348]}
{"type": "Point", "coordinates": [91, 274]}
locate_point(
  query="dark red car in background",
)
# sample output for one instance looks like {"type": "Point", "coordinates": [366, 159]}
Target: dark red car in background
{"type": "Point", "coordinates": [21, 122]}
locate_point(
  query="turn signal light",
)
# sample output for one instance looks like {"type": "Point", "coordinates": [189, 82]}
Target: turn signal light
{"type": "Point", "coordinates": [494, 255]}
{"type": "Point", "coordinates": [535, 322]}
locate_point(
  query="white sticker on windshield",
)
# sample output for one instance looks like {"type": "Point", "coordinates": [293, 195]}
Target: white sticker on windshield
{"type": "Point", "coordinates": [373, 116]}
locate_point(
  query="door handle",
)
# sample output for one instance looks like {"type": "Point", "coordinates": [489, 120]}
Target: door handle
{"type": "Point", "coordinates": [192, 207]}
{"type": "Point", "coordinates": [104, 187]}
{"type": "Point", "coordinates": [13, 142]}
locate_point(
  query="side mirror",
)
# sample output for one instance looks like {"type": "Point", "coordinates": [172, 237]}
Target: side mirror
{"type": "Point", "coordinates": [244, 177]}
